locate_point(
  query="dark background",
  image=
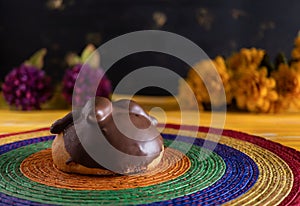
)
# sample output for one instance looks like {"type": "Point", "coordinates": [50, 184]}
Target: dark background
{"type": "Point", "coordinates": [219, 27]}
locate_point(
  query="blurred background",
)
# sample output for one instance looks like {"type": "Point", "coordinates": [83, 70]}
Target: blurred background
{"type": "Point", "coordinates": [219, 27]}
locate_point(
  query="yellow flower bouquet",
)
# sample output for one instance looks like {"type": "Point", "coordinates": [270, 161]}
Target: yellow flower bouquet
{"type": "Point", "coordinates": [250, 80]}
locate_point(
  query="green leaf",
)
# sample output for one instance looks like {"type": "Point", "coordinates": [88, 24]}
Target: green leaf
{"type": "Point", "coordinates": [88, 50]}
{"type": "Point", "coordinates": [72, 59]}
{"type": "Point", "coordinates": [90, 56]}
{"type": "Point", "coordinates": [37, 59]}
{"type": "Point", "coordinates": [266, 62]}
{"type": "Point", "coordinates": [280, 59]}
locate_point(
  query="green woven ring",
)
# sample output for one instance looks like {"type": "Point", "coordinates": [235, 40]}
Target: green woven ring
{"type": "Point", "coordinates": [200, 175]}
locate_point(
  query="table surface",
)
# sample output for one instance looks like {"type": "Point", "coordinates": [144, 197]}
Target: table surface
{"type": "Point", "coordinates": [282, 128]}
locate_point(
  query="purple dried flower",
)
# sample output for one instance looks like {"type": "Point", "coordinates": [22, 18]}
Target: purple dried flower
{"type": "Point", "coordinates": [26, 87]}
{"type": "Point", "coordinates": [87, 80]}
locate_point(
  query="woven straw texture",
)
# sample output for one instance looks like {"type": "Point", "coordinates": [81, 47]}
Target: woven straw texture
{"type": "Point", "coordinates": [198, 168]}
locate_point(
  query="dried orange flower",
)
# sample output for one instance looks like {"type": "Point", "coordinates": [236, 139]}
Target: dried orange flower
{"type": "Point", "coordinates": [296, 51]}
{"type": "Point", "coordinates": [187, 97]}
{"type": "Point", "coordinates": [254, 91]}
{"type": "Point", "coordinates": [288, 87]}
{"type": "Point", "coordinates": [216, 84]}
{"type": "Point", "coordinates": [246, 58]}
{"type": "Point", "coordinates": [296, 66]}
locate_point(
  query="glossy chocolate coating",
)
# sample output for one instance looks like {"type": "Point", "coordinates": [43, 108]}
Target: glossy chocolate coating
{"type": "Point", "coordinates": [147, 145]}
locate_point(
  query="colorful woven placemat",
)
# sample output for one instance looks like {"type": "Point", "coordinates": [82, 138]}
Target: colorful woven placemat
{"type": "Point", "coordinates": [241, 170]}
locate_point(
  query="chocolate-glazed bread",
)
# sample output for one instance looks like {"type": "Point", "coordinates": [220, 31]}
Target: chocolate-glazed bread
{"type": "Point", "coordinates": [135, 144]}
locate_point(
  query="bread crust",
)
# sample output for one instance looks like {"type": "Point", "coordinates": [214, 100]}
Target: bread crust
{"type": "Point", "coordinates": [60, 158]}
